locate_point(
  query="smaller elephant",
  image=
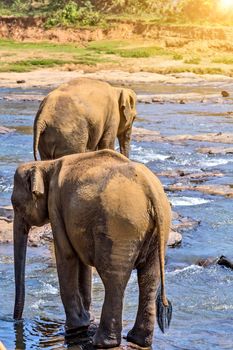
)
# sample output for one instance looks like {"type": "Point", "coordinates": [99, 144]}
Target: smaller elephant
{"type": "Point", "coordinates": [84, 115]}
{"type": "Point", "coordinates": [105, 211]}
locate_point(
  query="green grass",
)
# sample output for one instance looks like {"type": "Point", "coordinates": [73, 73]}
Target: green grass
{"type": "Point", "coordinates": [42, 62]}
{"type": "Point", "coordinates": [177, 56]}
{"type": "Point", "coordinates": [106, 46]}
{"type": "Point", "coordinates": [140, 52]}
{"type": "Point", "coordinates": [119, 48]}
{"type": "Point", "coordinates": [31, 64]}
{"type": "Point", "coordinates": [193, 60]}
{"type": "Point", "coordinates": [28, 65]}
{"type": "Point", "coordinates": [182, 69]}
{"type": "Point", "coordinates": [72, 54]}
{"type": "Point", "coordinates": [225, 60]}
{"type": "Point", "coordinates": [40, 46]}
{"type": "Point", "coordinates": [91, 60]}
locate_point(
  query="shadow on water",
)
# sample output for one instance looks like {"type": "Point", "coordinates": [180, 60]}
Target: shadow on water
{"type": "Point", "coordinates": [41, 333]}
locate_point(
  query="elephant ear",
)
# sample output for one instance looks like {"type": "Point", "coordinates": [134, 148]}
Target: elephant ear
{"type": "Point", "coordinates": [127, 103]}
{"type": "Point", "coordinates": [36, 182]}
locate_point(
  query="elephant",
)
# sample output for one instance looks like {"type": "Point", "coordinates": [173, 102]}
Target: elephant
{"type": "Point", "coordinates": [84, 115]}
{"type": "Point", "coordinates": [105, 212]}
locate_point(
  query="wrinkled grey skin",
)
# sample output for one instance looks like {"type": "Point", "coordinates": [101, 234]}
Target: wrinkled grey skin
{"type": "Point", "coordinates": [84, 115]}
{"type": "Point", "coordinates": [105, 211]}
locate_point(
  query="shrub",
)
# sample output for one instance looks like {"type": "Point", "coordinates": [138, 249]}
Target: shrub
{"type": "Point", "coordinates": [72, 14]}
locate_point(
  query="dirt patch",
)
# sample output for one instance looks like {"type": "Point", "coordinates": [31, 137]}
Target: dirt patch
{"type": "Point", "coordinates": [29, 28]}
{"type": "Point", "coordinates": [53, 78]}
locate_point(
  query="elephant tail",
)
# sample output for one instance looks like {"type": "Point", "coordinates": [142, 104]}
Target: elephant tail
{"type": "Point", "coordinates": [162, 220]}
{"type": "Point", "coordinates": [38, 128]}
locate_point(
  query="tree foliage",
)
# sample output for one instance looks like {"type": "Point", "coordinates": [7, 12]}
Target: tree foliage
{"type": "Point", "coordinates": [91, 12]}
{"type": "Point", "coordinates": [198, 9]}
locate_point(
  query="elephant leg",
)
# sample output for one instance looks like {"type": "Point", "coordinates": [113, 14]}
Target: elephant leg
{"type": "Point", "coordinates": [85, 284]}
{"type": "Point", "coordinates": [124, 142]}
{"type": "Point", "coordinates": [148, 281]}
{"type": "Point", "coordinates": [68, 274]}
{"type": "Point", "coordinates": [114, 266]}
{"type": "Point", "coordinates": [107, 141]}
{"type": "Point", "coordinates": [43, 154]}
{"type": "Point", "coordinates": [108, 334]}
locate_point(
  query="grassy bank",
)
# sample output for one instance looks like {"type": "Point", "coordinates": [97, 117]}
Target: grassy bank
{"type": "Point", "coordinates": [139, 55]}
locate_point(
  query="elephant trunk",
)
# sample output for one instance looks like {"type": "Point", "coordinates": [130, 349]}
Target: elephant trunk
{"type": "Point", "coordinates": [21, 230]}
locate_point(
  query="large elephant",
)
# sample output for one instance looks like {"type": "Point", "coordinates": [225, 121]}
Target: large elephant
{"type": "Point", "coordinates": [84, 115]}
{"type": "Point", "coordinates": [105, 211]}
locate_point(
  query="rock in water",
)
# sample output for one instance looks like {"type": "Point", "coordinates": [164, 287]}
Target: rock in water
{"type": "Point", "coordinates": [4, 130]}
{"type": "Point", "coordinates": [175, 239]}
{"type": "Point", "coordinates": [225, 93]}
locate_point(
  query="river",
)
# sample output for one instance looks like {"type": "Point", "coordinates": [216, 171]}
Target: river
{"type": "Point", "coordinates": [202, 298]}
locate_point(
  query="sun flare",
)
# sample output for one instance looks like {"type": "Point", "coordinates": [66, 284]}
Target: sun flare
{"type": "Point", "coordinates": [226, 4]}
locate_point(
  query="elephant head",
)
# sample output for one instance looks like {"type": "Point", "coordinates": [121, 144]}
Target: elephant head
{"type": "Point", "coordinates": [127, 107]}
{"type": "Point", "coordinates": [29, 200]}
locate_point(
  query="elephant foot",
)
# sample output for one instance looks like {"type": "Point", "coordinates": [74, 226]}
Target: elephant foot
{"type": "Point", "coordinates": [92, 329]}
{"type": "Point", "coordinates": [103, 341]}
{"type": "Point", "coordinates": [139, 338]}
{"type": "Point", "coordinates": [76, 336]}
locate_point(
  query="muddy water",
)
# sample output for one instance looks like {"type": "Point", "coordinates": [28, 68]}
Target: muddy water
{"type": "Point", "coordinates": [202, 298]}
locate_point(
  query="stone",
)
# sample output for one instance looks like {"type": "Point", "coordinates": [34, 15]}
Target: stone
{"type": "Point", "coordinates": [7, 212]}
{"type": "Point", "coordinates": [215, 150]}
{"type": "Point", "coordinates": [4, 130]}
{"type": "Point", "coordinates": [175, 239]}
{"type": "Point", "coordinates": [217, 190]}
{"type": "Point", "coordinates": [225, 93]}
{"type": "Point", "coordinates": [38, 236]}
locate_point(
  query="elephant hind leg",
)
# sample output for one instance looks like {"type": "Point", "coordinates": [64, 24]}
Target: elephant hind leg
{"type": "Point", "coordinates": [148, 281]}
{"type": "Point", "coordinates": [107, 141]}
{"type": "Point", "coordinates": [85, 284]}
{"type": "Point", "coordinates": [114, 267]}
{"type": "Point", "coordinates": [108, 334]}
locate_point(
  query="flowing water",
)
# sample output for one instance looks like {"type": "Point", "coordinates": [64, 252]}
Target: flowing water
{"type": "Point", "coordinates": [202, 297]}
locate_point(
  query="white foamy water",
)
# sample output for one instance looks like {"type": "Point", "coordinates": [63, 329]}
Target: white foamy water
{"type": "Point", "coordinates": [214, 162]}
{"type": "Point", "coordinates": [48, 288]}
{"type": "Point", "coordinates": [39, 303]}
{"type": "Point", "coordinates": [193, 268]}
{"type": "Point", "coordinates": [143, 155]}
{"type": "Point", "coordinates": [188, 201]}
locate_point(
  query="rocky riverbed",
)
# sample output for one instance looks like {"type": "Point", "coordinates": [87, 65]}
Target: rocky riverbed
{"type": "Point", "coordinates": [189, 146]}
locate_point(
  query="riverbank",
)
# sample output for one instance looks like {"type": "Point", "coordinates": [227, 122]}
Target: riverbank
{"type": "Point", "coordinates": [25, 45]}
{"type": "Point", "coordinates": [51, 78]}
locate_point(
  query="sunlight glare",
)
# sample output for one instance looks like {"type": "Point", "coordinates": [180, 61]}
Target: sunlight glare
{"type": "Point", "coordinates": [226, 4]}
